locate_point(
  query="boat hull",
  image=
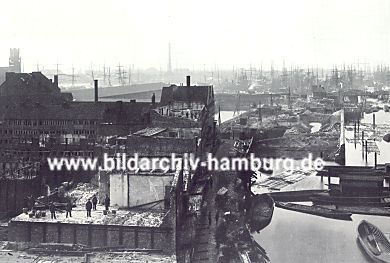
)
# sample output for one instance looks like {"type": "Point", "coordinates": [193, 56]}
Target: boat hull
{"type": "Point", "coordinates": [374, 242]}
{"type": "Point", "coordinates": [326, 199]}
{"type": "Point", "coordinates": [261, 212]}
{"type": "Point", "coordinates": [295, 196]}
{"type": "Point", "coordinates": [317, 211]}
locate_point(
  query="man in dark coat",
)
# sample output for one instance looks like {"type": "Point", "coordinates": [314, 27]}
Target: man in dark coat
{"type": "Point", "coordinates": [94, 202]}
{"type": "Point", "coordinates": [216, 217]}
{"type": "Point", "coordinates": [52, 209]}
{"type": "Point", "coordinates": [107, 202]}
{"type": "Point", "coordinates": [69, 206]}
{"type": "Point", "coordinates": [88, 206]}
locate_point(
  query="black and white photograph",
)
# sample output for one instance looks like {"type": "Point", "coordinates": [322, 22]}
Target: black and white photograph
{"type": "Point", "coordinates": [195, 131]}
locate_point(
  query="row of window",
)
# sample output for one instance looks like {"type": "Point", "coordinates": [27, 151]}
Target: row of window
{"type": "Point", "coordinates": [50, 122]}
{"type": "Point", "coordinates": [47, 154]}
{"type": "Point", "coordinates": [52, 132]}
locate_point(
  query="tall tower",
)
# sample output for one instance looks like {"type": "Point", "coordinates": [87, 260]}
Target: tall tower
{"type": "Point", "coordinates": [14, 60]}
{"type": "Point", "coordinates": [169, 69]}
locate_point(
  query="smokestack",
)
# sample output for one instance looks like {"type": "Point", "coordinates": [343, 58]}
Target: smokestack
{"type": "Point", "coordinates": [96, 90]}
{"type": "Point", "coordinates": [153, 98]}
{"type": "Point", "coordinates": [56, 80]}
{"type": "Point", "coordinates": [188, 81]}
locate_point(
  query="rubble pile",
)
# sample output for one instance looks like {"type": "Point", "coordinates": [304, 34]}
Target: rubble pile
{"type": "Point", "coordinates": [137, 218]}
{"type": "Point", "coordinates": [298, 129]}
{"type": "Point", "coordinates": [82, 192]}
{"type": "Point", "coordinates": [121, 217]}
{"type": "Point", "coordinates": [279, 181]}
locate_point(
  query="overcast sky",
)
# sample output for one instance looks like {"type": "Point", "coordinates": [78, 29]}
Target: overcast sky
{"type": "Point", "coordinates": [202, 32]}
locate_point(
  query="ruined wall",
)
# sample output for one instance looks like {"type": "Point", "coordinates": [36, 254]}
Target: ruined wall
{"type": "Point", "coordinates": [148, 188]}
{"type": "Point", "coordinates": [158, 120]}
{"type": "Point", "coordinates": [119, 189]}
{"type": "Point", "coordinates": [133, 190]}
{"type": "Point", "coordinates": [132, 237]}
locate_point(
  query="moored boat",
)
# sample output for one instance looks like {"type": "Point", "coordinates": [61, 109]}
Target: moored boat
{"type": "Point", "coordinates": [315, 210]}
{"type": "Point", "coordinates": [327, 199]}
{"type": "Point", "coordinates": [295, 196]}
{"type": "Point", "coordinates": [374, 242]}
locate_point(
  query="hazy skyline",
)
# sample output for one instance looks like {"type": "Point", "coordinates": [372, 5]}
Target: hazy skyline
{"type": "Point", "coordinates": [222, 33]}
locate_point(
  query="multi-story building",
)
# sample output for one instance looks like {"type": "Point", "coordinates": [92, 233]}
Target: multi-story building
{"type": "Point", "coordinates": [38, 120]}
{"type": "Point", "coordinates": [187, 106]}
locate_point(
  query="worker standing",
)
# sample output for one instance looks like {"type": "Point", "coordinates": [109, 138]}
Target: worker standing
{"type": "Point", "coordinates": [107, 202]}
{"type": "Point", "coordinates": [88, 206]}
{"type": "Point", "coordinates": [94, 202]}
{"type": "Point", "coordinates": [52, 209]}
{"type": "Point", "coordinates": [69, 206]}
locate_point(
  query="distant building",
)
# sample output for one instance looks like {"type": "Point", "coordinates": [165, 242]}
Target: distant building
{"type": "Point", "coordinates": [163, 141]}
{"type": "Point", "coordinates": [14, 64]}
{"type": "Point", "coordinates": [187, 106]}
{"type": "Point", "coordinates": [186, 101]}
{"type": "Point", "coordinates": [318, 91]}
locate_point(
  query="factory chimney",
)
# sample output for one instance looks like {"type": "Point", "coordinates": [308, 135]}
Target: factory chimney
{"type": "Point", "coordinates": [96, 90]}
{"type": "Point", "coordinates": [56, 80]}
{"type": "Point", "coordinates": [188, 81]}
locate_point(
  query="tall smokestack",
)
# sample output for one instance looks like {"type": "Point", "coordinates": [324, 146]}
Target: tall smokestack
{"type": "Point", "coordinates": [188, 81]}
{"type": "Point", "coordinates": [96, 90]}
{"type": "Point", "coordinates": [56, 80]}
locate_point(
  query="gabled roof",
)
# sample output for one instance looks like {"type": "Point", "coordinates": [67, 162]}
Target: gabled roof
{"type": "Point", "coordinates": [173, 93]}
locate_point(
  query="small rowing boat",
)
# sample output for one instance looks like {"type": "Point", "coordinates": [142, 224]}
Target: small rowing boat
{"type": "Point", "coordinates": [374, 242]}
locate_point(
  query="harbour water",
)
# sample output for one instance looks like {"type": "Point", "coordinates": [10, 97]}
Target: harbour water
{"type": "Point", "coordinates": [297, 237]}
{"type": "Point", "coordinates": [227, 115]}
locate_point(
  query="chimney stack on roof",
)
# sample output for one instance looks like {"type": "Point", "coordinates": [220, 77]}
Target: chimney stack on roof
{"type": "Point", "coordinates": [188, 81]}
{"type": "Point", "coordinates": [96, 90]}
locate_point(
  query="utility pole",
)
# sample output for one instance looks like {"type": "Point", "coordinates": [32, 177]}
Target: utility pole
{"type": "Point", "coordinates": [104, 74]}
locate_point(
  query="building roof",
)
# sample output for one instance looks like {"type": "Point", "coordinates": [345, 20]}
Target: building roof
{"type": "Point", "coordinates": [173, 93]}
{"type": "Point", "coordinates": [118, 92]}
{"type": "Point", "coordinates": [149, 131]}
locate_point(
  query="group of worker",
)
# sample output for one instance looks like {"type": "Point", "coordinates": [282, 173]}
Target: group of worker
{"type": "Point", "coordinates": [89, 206]}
